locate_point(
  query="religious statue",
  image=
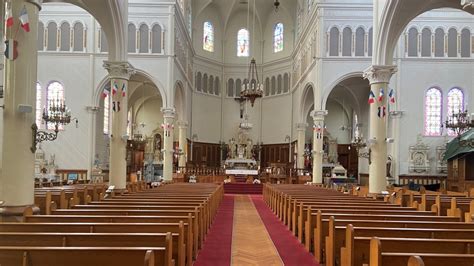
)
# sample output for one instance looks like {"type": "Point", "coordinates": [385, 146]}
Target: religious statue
{"type": "Point", "coordinates": [389, 166]}
{"type": "Point", "coordinates": [232, 148]}
{"type": "Point", "coordinates": [249, 148]}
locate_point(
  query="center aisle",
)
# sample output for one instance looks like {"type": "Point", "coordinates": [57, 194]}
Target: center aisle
{"type": "Point", "coordinates": [251, 244]}
{"type": "Point", "coordinates": [246, 232]}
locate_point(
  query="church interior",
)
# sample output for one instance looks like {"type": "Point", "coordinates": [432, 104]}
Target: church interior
{"type": "Point", "coordinates": [237, 132]}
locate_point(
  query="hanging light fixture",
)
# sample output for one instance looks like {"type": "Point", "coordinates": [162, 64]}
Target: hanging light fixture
{"type": "Point", "coordinates": [276, 4]}
{"type": "Point", "coordinates": [252, 88]}
{"type": "Point", "coordinates": [460, 122]}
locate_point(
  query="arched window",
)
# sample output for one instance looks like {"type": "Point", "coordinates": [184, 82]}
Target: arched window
{"type": "Point", "coordinates": [243, 42]}
{"type": "Point", "coordinates": [413, 42]}
{"type": "Point", "coordinates": [132, 38]}
{"type": "Point", "coordinates": [360, 42]}
{"type": "Point", "coordinates": [104, 46]}
{"type": "Point", "coordinates": [452, 42]}
{"type": "Point", "coordinates": [238, 87]}
{"type": "Point", "coordinates": [78, 45]}
{"type": "Point", "coordinates": [156, 39]}
{"type": "Point", "coordinates": [433, 108]}
{"type": "Point", "coordinates": [267, 86]}
{"type": "Point", "coordinates": [465, 43]}
{"type": "Point", "coordinates": [217, 87]}
{"type": "Point", "coordinates": [65, 44]}
{"type": "Point", "coordinates": [198, 82]}
{"type": "Point", "coordinates": [286, 83]}
{"type": "Point", "coordinates": [143, 39]}
{"type": "Point", "coordinates": [334, 42]}
{"type": "Point", "coordinates": [347, 42]}
{"type": "Point", "coordinates": [107, 109]}
{"type": "Point", "coordinates": [208, 37]}
{"type": "Point", "coordinates": [230, 88]}
{"type": "Point", "coordinates": [279, 84]}
{"type": "Point", "coordinates": [40, 36]}
{"type": "Point", "coordinates": [370, 41]}
{"type": "Point", "coordinates": [455, 104]}
{"type": "Point", "coordinates": [52, 36]}
{"type": "Point", "coordinates": [211, 85]}
{"type": "Point", "coordinates": [439, 42]}
{"type": "Point", "coordinates": [39, 108]}
{"type": "Point", "coordinates": [54, 95]}
{"type": "Point", "coordinates": [204, 83]}
{"type": "Point", "coordinates": [426, 42]}
{"type": "Point", "coordinates": [278, 37]}
{"type": "Point", "coordinates": [273, 91]}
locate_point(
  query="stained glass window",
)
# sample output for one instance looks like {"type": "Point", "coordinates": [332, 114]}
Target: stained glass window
{"type": "Point", "coordinates": [278, 38]}
{"type": "Point", "coordinates": [55, 94]}
{"type": "Point", "coordinates": [243, 43]}
{"type": "Point", "coordinates": [208, 37]}
{"type": "Point", "coordinates": [38, 105]}
{"type": "Point", "coordinates": [433, 112]}
{"type": "Point", "coordinates": [455, 104]}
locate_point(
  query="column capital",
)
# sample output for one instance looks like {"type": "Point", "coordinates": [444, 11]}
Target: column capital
{"type": "Point", "coordinates": [301, 126]}
{"type": "Point", "coordinates": [119, 69]}
{"type": "Point", "coordinates": [182, 124]}
{"type": "Point", "coordinates": [379, 74]}
{"type": "Point", "coordinates": [168, 112]}
{"type": "Point", "coordinates": [318, 115]}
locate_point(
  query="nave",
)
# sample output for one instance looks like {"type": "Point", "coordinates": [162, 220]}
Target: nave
{"type": "Point", "coordinates": [199, 224]}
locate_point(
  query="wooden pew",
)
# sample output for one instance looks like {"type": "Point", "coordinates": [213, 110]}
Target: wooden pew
{"type": "Point", "coordinates": [95, 240]}
{"type": "Point", "coordinates": [80, 256]}
{"type": "Point", "coordinates": [343, 238]}
{"type": "Point", "coordinates": [378, 258]}
{"type": "Point", "coordinates": [178, 228]}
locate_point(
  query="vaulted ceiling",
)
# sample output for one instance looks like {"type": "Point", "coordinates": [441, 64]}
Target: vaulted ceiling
{"type": "Point", "coordinates": [262, 9]}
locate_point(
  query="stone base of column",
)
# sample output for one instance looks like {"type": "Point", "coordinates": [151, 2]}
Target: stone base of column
{"type": "Point", "coordinates": [15, 213]}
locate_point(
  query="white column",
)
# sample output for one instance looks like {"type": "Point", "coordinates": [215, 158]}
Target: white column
{"type": "Point", "coordinates": [20, 76]}
{"type": "Point", "coordinates": [119, 74]}
{"type": "Point", "coordinates": [182, 130]}
{"type": "Point", "coordinates": [379, 78]}
{"type": "Point", "coordinates": [168, 127]}
{"type": "Point", "coordinates": [318, 133]}
{"type": "Point", "coordinates": [301, 134]}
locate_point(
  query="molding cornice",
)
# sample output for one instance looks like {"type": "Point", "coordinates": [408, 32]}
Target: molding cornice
{"type": "Point", "coordinates": [318, 115]}
{"type": "Point", "coordinates": [379, 74]}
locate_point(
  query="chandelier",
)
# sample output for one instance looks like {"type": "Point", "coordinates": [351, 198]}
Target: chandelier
{"type": "Point", "coordinates": [276, 4]}
{"type": "Point", "coordinates": [252, 88]}
{"type": "Point", "coordinates": [460, 122]}
{"type": "Point", "coordinates": [57, 114]}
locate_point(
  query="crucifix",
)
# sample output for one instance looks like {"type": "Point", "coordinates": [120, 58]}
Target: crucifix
{"type": "Point", "coordinates": [241, 101]}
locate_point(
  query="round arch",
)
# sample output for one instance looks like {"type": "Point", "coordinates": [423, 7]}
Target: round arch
{"type": "Point", "coordinates": [306, 101]}
{"type": "Point", "coordinates": [180, 101]}
{"type": "Point", "coordinates": [394, 19]}
{"type": "Point", "coordinates": [327, 91]}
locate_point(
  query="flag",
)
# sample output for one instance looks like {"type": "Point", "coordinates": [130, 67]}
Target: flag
{"type": "Point", "coordinates": [391, 94]}
{"type": "Point", "coordinates": [8, 15]}
{"type": "Point", "coordinates": [118, 106]}
{"type": "Point", "coordinates": [381, 111]}
{"type": "Point", "coordinates": [381, 94]}
{"type": "Point", "coordinates": [25, 22]}
{"type": "Point", "coordinates": [371, 97]}
{"type": "Point", "coordinates": [113, 106]}
{"type": "Point", "coordinates": [10, 49]}
{"type": "Point", "coordinates": [114, 88]}
{"type": "Point", "coordinates": [124, 90]}
{"type": "Point", "coordinates": [105, 93]}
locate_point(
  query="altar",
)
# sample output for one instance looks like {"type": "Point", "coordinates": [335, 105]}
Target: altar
{"type": "Point", "coordinates": [240, 161]}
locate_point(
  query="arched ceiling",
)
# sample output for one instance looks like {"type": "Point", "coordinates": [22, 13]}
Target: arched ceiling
{"type": "Point", "coordinates": [226, 8]}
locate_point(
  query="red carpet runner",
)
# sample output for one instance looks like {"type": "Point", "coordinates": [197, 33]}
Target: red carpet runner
{"type": "Point", "coordinates": [291, 251]}
{"type": "Point", "coordinates": [217, 249]}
